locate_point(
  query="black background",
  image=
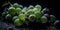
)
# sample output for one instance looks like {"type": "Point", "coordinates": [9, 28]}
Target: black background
{"type": "Point", "coordinates": [53, 5]}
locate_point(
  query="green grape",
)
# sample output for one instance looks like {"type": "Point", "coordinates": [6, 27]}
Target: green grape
{"type": "Point", "coordinates": [52, 18]}
{"type": "Point", "coordinates": [32, 17]}
{"type": "Point", "coordinates": [17, 22]}
{"type": "Point", "coordinates": [21, 6]}
{"type": "Point", "coordinates": [35, 9]}
{"type": "Point", "coordinates": [29, 12]}
{"type": "Point", "coordinates": [24, 9]}
{"type": "Point", "coordinates": [16, 5]}
{"type": "Point", "coordinates": [43, 19]}
{"type": "Point", "coordinates": [38, 15]}
{"type": "Point", "coordinates": [15, 17]}
{"type": "Point", "coordinates": [11, 11]}
{"type": "Point", "coordinates": [38, 7]}
{"type": "Point", "coordinates": [18, 11]}
{"type": "Point", "coordinates": [31, 7]}
{"type": "Point", "coordinates": [22, 17]}
{"type": "Point", "coordinates": [8, 17]}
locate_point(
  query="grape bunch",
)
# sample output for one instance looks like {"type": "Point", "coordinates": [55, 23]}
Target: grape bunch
{"type": "Point", "coordinates": [20, 15]}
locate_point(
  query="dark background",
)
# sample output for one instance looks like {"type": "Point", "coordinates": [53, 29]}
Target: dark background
{"type": "Point", "coordinates": [53, 5]}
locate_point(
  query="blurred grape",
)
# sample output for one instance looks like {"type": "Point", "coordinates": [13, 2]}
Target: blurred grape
{"type": "Point", "coordinates": [52, 18]}
{"type": "Point", "coordinates": [43, 19]}
{"type": "Point", "coordinates": [45, 10]}
{"type": "Point", "coordinates": [17, 22]}
{"type": "Point", "coordinates": [14, 18]}
{"type": "Point", "coordinates": [4, 14]}
{"type": "Point", "coordinates": [38, 15]}
{"type": "Point", "coordinates": [24, 10]}
{"type": "Point", "coordinates": [57, 24]}
{"type": "Point", "coordinates": [8, 17]}
{"type": "Point", "coordinates": [35, 9]}
{"type": "Point", "coordinates": [18, 11]}
{"type": "Point", "coordinates": [21, 6]}
{"type": "Point", "coordinates": [31, 7]}
{"type": "Point", "coordinates": [29, 12]}
{"type": "Point", "coordinates": [47, 15]}
{"type": "Point", "coordinates": [39, 8]}
{"type": "Point", "coordinates": [32, 17]}
{"type": "Point", "coordinates": [16, 5]}
{"type": "Point", "coordinates": [11, 11]}
{"type": "Point", "coordinates": [22, 17]}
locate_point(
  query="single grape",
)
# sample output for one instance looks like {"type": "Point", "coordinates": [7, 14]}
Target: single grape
{"type": "Point", "coordinates": [29, 12]}
{"type": "Point", "coordinates": [8, 17]}
{"type": "Point", "coordinates": [32, 17]}
{"type": "Point", "coordinates": [35, 9]}
{"type": "Point", "coordinates": [17, 22]}
{"type": "Point", "coordinates": [21, 6]}
{"type": "Point", "coordinates": [11, 8]}
{"type": "Point", "coordinates": [16, 5]}
{"type": "Point", "coordinates": [45, 10]}
{"type": "Point", "coordinates": [11, 11]}
{"type": "Point", "coordinates": [38, 7]}
{"type": "Point", "coordinates": [47, 15]}
{"type": "Point", "coordinates": [57, 24]}
{"type": "Point", "coordinates": [31, 7]}
{"type": "Point", "coordinates": [24, 10]}
{"type": "Point", "coordinates": [18, 11]}
{"type": "Point", "coordinates": [22, 17]}
{"type": "Point", "coordinates": [44, 19]}
{"type": "Point", "coordinates": [14, 18]}
{"type": "Point", "coordinates": [38, 15]}
{"type": "Point", "coordinates": [52, 18]}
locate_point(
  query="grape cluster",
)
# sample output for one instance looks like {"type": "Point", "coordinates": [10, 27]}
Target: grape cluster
{"type": "Point", "coordinates": [20, 15]}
